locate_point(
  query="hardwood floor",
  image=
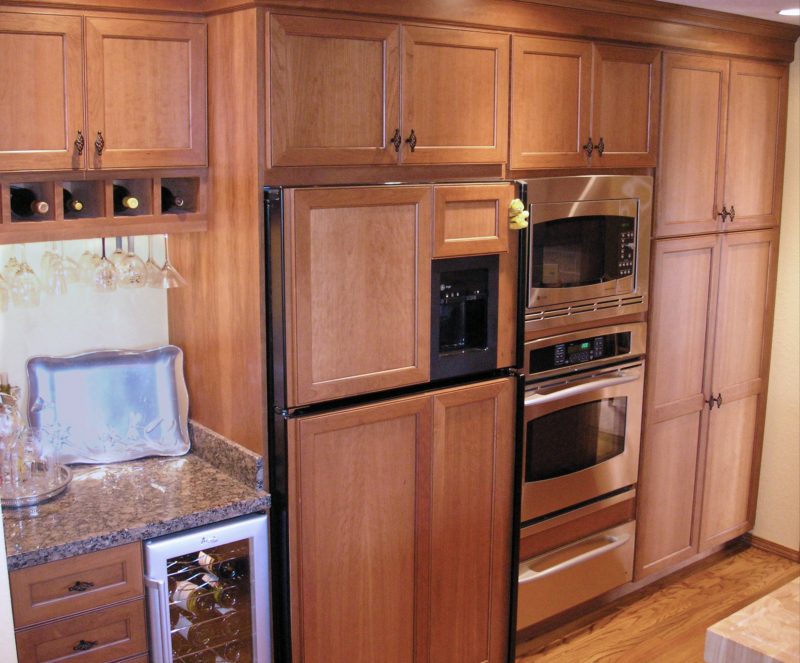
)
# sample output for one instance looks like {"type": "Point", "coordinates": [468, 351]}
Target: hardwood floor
{"type": "Point", "coordinates": [665, 622]}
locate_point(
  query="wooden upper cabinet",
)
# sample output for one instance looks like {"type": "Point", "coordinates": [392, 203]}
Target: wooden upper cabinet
{"type": "Point", "coordinates": [333, 92]}
{"type": "Point", "coordinates": [146, 83]}
{"type": "Point", "coordinates": [550, 102]}
{"type": "Point", "coordinates": [471, 219]}
{"type": "Point", "coordinates": [41, 92]}
{"type": "Point", "coordinates": [626, 89]}
{"type": "Point", "coordinates": [755, 144]}
{"type": "Point", "coordinates": [455, 96]}
{"type": "Point", "coordinates": [358, 291]}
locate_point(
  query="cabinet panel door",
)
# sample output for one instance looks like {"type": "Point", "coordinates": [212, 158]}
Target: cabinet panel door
{"type": "Point", "coordinates": [756, 138]}
{"type": "Point", "coordinates": [470, 530]}
{"type": "Point", "coordinates": [359, 291]}
{"type": "Point", "coordinates": [550, 102]}
{"type": "Point", "coordinates": [692, 151]}
{"type": "Point", "coordinates": [665, 529]}
{"type": "Point", "coordinates": [471, 219]}
{"type": "Point", "coordinates": [41, 92]}
{"type": "Point", "coordinates": [353, 513]}
{"type": "Point", "coordinates": [746, 294]}
{"type": "Point", "coordinates": [333, 91]}
{"type": "Point", "coordinates": [455, 96]}
{"type": "Point", "coordinates": [146, 93]}
{"type": "Point", "coordinates": [681, 319]}
{"type": "Point", "coordinates": [728, 471]}
{"type": "Point", "coordinates": [627, 86]}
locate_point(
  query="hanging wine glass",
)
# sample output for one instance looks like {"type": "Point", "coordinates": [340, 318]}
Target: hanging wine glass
{"type": "Point", "coordinates": [118, 254]}
{"type": "Point", "coordinates": [132, 269]}
{"type": "Point", "coordinates": [5, 294]}
{"type": "Point", "coordinates": [152, 268]}
{"type": "Point", "coordinates": [87, 264]}
{"type": "Point", "coordinates": [69, 266]}
{"type": "Point", "coordinates": [105, 274]}
{"type": "Point", "coordinates": [25, 286]}
{"type": "Point", "coordinates": [10, 269]}
{"type": "Point", "coordinates": [170, 277]}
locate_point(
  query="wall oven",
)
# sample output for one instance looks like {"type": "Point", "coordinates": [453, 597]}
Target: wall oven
{"type": "Point", "coordinates": [582, 417]}
{"type": "Point", "coordinates": [588, 247]}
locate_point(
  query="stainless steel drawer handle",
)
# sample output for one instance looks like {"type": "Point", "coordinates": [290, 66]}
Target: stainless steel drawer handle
{"type": "Point", "coordinates": [527, 574]}
{"type": "Point", "coordinates": [622, 377]}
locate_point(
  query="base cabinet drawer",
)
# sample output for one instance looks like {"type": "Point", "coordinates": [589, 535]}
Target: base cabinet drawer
{"type": "Point", "coordinates": [100, 636]}
{"type": "Point", "coordinates": [565, 577]}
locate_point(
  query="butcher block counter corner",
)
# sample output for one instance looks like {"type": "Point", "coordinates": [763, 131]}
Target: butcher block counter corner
{"type": "Point", "coordinates": [115, 504]}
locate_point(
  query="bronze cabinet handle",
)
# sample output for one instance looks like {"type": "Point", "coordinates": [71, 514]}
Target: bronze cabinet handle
{"type": "Point", "coordinates": [589, 147]}
{"type": "Point", "coordinates": [601, 146]}
{"type": "Point", "coordinates": [412, 140]}
{"type": "Point", "coordinates": [84, 645]}
{"type": "Point", "coordinates": [80, 586]}
{"type": "Point", "coordinates": [396, 140]}
{"type": "Point", "coordinates": [80, 143]}
{"type": "Point", "coordinates": [732, 213]}
{"type": "Point", "coordinates": [724, 214]}
{"type": "Point", "coordinates": [711, 400]}
{"type": "Point", "coordinates": [99, 143]}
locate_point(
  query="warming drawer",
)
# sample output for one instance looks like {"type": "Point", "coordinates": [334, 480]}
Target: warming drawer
{"type": "Point", "coordinates": [574, 573]}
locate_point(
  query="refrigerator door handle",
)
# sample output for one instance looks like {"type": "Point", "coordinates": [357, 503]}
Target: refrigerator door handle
{"type": "Point", "coordinates": [159, 622]}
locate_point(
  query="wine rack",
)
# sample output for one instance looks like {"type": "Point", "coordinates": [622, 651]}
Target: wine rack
{"type": "Point", "coordinates": [98, 217]}
{"type": "Point", "coordinates": [210, 605]}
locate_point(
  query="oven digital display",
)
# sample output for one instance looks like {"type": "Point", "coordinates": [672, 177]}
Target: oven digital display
{"type": "Point", "coordinates": [580, 351]}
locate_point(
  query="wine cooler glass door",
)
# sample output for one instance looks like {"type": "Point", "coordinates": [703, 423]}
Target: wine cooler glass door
{"type": "Point", "coordinates": [207, 594]}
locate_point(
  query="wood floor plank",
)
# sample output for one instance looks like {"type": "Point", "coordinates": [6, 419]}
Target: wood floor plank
{"type": "Point", "coordinates": [666, 623]}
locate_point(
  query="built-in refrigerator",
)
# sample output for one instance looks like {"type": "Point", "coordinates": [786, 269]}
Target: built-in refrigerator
{"type": "Point", "coordinates": [208, 593]}
{"type": "Point", "coordinates": [461, 310]}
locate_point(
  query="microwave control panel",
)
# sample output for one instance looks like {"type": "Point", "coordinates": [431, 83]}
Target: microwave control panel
{"type": "Point", "coordinates": [580, 351]}
{"type": "Point", "coordinates": [627, 246]}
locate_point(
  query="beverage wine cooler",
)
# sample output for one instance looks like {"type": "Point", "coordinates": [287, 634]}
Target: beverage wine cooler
{"type": "Point", "coordinates": [208, 595]}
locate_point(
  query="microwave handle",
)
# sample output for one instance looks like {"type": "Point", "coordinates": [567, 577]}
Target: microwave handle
{"type": "Point", "coordinates": [529, 575]}
{"type": "Point", "coordinates": [621, 378]}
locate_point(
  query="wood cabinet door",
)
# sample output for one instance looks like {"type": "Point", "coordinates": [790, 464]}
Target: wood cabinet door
{"type": "Point", "coordinates": [455, 96]}
{"type": "Point", "coordinates": [550, 102]}
{"type": "Point", "coordinates": [354, 517]}
{"type": "Point", "coordinates": [741, 344]}
{"type": "Point", "coordinates": [755, 144]}
{"type": "Point", "coordinates": [358, 292]}
{"type": "Point", "coordinates": [684, 286]}
{"type": "Point", "coordinates": [471, 219]}
{"type": "Point", "coordinates": [146, 83]}
{"type": "Point", "coordinates": [41, 92]}
{"type": "Point", "coordinates": [692, 145]}
{"type": "Point", "coordinates": [333, 92]}
{"type": "Point", "coordinates": [626, 86]}
{"type": "Point", "coordinates": [470, 523]}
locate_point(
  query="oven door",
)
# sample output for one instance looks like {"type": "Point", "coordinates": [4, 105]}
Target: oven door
{"type": "Point", "coordinates": [581, 251]}
{"type": "Point", "coordinates": [581, 438]}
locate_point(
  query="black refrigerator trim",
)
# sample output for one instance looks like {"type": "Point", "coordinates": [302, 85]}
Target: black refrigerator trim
{"type": "Point", "coordinates": [280, 414]}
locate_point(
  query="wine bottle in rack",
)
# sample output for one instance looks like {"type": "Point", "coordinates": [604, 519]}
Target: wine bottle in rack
{"type": "Point", "coordinates": [169, 201]}
{"type": "Point", "coordinates": [197, 598]}
{"type": "Point", "coordinates": [238, 652]}
{"type": "Point", "coordinates": [123, 200]}
{"type": "Point", "coordinates": [226, 564]}
{"type": "Point", "coordinates": [25, 203]}
{"type": "Point", "coordinates": [230, 594]}
{"type": "Point", "coordinates": [71, 203]}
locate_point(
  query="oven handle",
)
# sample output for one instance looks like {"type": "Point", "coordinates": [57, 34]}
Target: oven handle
{"type": "Point", "coordinates": [614, 542]}
{"type": "Point", "coordinates": [621, 378]}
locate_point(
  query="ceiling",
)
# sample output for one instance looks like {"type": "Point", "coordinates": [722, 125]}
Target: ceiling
{"type": "Point", "coordinates": [766, 9]}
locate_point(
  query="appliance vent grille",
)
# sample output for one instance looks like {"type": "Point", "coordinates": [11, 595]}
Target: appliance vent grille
{"type": "Point", "coordinates": [601, 305]}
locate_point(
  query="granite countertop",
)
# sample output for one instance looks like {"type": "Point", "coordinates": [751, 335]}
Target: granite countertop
{"type": "Point", "coordinates": [109, 505]}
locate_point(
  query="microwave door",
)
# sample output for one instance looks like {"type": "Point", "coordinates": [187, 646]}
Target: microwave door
{"type": "Point", "coordinates": [581, 251]}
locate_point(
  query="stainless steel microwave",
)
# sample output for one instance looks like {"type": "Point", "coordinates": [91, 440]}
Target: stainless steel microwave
{"type": "Point", "coordinates": [588, 248]}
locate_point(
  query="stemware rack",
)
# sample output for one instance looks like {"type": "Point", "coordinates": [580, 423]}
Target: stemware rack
{"type": "Point", "coordinates": [98, 218]}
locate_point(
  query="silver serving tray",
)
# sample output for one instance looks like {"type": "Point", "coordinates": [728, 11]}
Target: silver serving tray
{"type": "Point", "coordinates": [113, 405]}
{"type": "Point", "coordinates": [35, 492]}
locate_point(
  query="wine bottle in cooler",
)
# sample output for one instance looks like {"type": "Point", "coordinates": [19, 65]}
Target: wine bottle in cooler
{"type": "Point", "coordinates": [26, 204]}
{"type": "Point", "coordinates": [123, 200]}
{"type": "Point", "coordinates": [169, 201]}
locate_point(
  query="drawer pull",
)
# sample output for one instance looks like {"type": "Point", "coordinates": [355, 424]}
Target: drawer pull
{"type": "Point", "coordinates": [529, 575]}
{"type": "Point", "coordinates": [84, 645]}
{"type": "Point", "coordinates": [80, 586]}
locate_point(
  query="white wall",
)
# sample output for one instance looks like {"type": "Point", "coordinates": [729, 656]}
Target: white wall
{"type": "Point", "coordinates": [78, 321]}
{"type": "Point", "coordinates": [778, 515]}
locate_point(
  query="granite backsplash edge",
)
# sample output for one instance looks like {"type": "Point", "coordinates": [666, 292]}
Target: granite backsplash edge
{"type": "Point", "coordinates": [226, 455]}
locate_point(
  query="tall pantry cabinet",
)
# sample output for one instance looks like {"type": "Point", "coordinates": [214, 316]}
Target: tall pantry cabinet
{"type": "Point", "coordinates": [712, 291]}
